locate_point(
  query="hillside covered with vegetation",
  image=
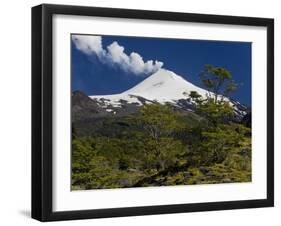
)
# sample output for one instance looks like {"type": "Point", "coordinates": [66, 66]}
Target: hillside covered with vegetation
{"type": "Point", "coordinates": [160, 144]}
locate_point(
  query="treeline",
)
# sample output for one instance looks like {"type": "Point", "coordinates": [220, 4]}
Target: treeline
{"type": "Point", "coordinates": [159, 139]}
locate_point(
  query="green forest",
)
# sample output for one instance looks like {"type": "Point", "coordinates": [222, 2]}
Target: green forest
{"type": "Point", "coordinates": [161, 145]}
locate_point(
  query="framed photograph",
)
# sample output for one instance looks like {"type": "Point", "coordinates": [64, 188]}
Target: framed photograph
{"type": "Point", "coordinates": [146, 112]}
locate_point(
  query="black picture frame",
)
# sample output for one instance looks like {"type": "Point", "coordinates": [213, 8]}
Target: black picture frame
{"type": "Point", "coordinates": [42, 111]}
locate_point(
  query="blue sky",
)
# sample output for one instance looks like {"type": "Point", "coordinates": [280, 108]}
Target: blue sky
{"type": "Point", "coordinates": [92, 75]}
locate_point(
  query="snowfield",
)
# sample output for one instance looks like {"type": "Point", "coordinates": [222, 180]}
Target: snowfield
{"type": "Point", "coordinates": [162, 86]}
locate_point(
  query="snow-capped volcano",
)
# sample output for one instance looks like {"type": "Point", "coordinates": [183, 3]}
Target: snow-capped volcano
{"type": "Point", "coordinates": [90, 113]}
{"type": "Point", "coordinates": [162, 86]}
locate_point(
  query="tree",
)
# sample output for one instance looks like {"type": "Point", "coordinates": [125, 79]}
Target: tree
{"type": "Point", "coordinates": [159, 123]}
{"type": "Point", "coordinates": [194, 95]}
{"type": "Point", "coordinates": [220, 136]}
{"type": "Point", "coordinates": [221, 141]}
{"type": "Point", "coordinates": [218, 81]}
{"type": "Point", "coordinates": [82, 154]}
{"type": "Point", "coordinates": [161, 153]}
{"type": "Point", "coordinates": [157, 120]}
{"type": "Point", "coordinates": [214, 111]}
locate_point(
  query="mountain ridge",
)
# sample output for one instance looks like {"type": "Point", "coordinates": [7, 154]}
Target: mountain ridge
{"type": "Point", "coordinates": [162, 87]}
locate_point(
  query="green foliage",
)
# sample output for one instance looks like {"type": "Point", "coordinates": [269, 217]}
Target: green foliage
{"type": "Point", "coordinates": [162, 153]}
{"type": "Point", "coordinates": [195, 96]}
{"type": "Point", "coordinates": [82, 153]}
{"type": "Point", "coordinates": [157, 120]}
{"type": "Point", "coordinates": [218, 81]}
{"type": "Point", "coordinates": [161, 145]}
{"type": "Point", "coordinates": [220, 141]}
{"type": "Point", "coordinates": [215, 112]}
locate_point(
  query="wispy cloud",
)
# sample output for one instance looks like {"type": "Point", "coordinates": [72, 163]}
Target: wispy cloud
{"type": "Point", "coordinates": [114, 54]}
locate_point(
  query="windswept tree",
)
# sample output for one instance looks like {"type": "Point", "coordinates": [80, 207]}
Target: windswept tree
{"type": "Point", "coordinates": [220, 136]}
{"type": "Point", "coordinates": [218, 81]}
{"type": "Point", "coordinates": [159, 122]}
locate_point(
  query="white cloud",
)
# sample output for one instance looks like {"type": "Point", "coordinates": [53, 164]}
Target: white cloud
{"type": "Point", "coordinates": [88, 44]}
{"type": "Point", "coordinates": [114, 55]}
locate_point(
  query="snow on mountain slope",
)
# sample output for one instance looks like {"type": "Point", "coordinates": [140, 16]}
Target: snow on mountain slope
{"type": "Point", "coordinates": [163, 86]}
